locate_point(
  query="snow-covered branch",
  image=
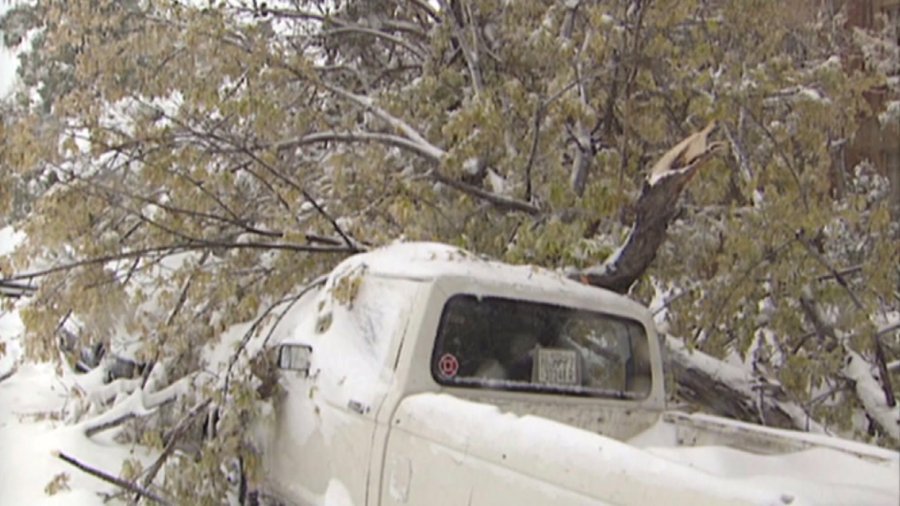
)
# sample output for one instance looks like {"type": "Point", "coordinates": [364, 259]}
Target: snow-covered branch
{"type": "Point", "coordinates": [139, 403]}
{"type": "Point", "coordinates": [734, 391]}
{"type": "Point", "coordinates": [869, 392]}
{"type": "Point", "coordinates": [394, 122]}
{"type": "Point", "coordinates": [175, 248]}
{"type": "Point", "coordinates": [360, 136]}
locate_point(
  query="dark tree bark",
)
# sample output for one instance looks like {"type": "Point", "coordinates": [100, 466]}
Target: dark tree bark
{"type": "Point", "coordinates": [656, 207]}
{"type": "Point", "coordinates": [14, 290]}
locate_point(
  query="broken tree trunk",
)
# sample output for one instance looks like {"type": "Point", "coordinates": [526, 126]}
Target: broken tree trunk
{"type": "Point", "coordinates": [656, 207]}
{"type": "Point", "coordinates": [704, 380]}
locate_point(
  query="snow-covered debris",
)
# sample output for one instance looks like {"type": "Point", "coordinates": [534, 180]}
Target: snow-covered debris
{"type": "Point", "coordinates": [737, 377]}
{"type": "Point", "coordinates": [10, 239]}
{"type": "Point", "coordinates": [871, 394]}
{"type": "Point", "coordinates": [33, 404]}
{"type": "Point", "coordinates": [891, 114]}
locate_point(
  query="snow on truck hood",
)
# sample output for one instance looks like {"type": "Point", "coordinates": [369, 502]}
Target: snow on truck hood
{"type": "Point", "coordinates": [624, 473]}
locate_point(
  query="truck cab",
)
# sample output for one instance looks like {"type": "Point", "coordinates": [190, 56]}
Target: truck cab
{"type": "Point", "coordinates": [422, 374]}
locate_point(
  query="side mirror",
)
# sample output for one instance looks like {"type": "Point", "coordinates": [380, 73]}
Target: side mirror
{"type": "Point", "coordinates": [295, 357]}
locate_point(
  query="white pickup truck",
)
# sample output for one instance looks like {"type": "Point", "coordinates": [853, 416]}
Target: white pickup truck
{"type": "Point", "coordinates": [420, 374]}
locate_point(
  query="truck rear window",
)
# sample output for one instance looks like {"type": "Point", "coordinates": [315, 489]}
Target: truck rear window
{"type": "Point", "coordinates": [507, 344]}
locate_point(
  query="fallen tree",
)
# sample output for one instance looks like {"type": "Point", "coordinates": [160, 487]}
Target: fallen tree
{"type": "Point", "coordinates": [240, 151]}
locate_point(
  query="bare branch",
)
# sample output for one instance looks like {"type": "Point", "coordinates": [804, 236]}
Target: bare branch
{"type": "Point", "coordinates": [172, 249]}
{"type": "Point", "coordinates": [321, 210]}
{"type": "Point", "coordinates": [182, 298]}
{"type": "Point", "coordinates": [405, 128]}
{"type": "Point", "coordinates": [498, 201]}
{"type": "Point", "coordinates": [779, 150]}
{"type": "Point", "coordinates": [297, 14]}
{"type": "Point", "coordinates": [416, 51]}
{"type": "Point", "coordinates": [171, 438]}
{"type": "Point", "coordinates": [836, 274]}
{"type": "Point", "coordinates": [110, 424]}
{"type": "Point", "coordinates": [8, 374]}
{"type": "Point", "coordinates": [469, 51]}
{"type": "Point", "coordinates": [584, 147]}
{"type": "Point", "coordinates": [290, 301]}
{"type": "Point", "coordinates": [535, 141]}
{"type": "Point", "coordinates": [745, 396]}
{"type": "Point", "coordinates": [15, 290]}
{"type": "Point", "coordinates": [854, 269]}
{"type": "Point", "coordinates": [110, 194]}
{"type": "Point", "coordinates": [358, 136]}
{"type": "Point", "coordinates": [127, 485]}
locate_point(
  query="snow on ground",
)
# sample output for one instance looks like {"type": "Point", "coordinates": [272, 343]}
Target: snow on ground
{"type": "Point", "coordinates": [35, 403]}
{"type": "Point", "coordinates": [33, 406]}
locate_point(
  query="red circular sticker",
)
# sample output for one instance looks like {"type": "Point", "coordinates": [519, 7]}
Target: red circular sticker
{"type": "Point", "coordinates": [448, 365]}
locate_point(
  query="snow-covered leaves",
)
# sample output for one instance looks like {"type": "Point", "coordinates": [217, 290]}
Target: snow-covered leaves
{"type": "Point", "coordinates": [201, 162]}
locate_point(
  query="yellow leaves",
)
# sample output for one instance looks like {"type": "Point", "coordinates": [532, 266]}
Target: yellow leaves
{"type": "Point", "coordinates": [247, 308]}
{"type": "Point", "coordinates": [555, 243]}
{"type": "Point", "coordinates": [474, 131]}
{"type": "Point", "coordinates": [27, 143]}
{"type": "Point", "coordinates": [59, 483]}
{"type": "Point", "coordinates": [152, 439]}
{"type": "Point", "coordinates": [131, 469]}
{"type": "Point", "coordinates": [402, 210]}
{"type": "Point", "coordinates": [347, 288]}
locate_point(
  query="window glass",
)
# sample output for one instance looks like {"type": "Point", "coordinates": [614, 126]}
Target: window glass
{"type": "Point", "coordinates": [493, 342]}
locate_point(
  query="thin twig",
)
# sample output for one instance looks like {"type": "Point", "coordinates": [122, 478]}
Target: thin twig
{"type": "Point", "coordinates": [8, 374]}
{"type": "Point", "coordinates": [360, 136]}
{"type": "Point", "coordinates": [175, 248]}
{"type": "Point", "coordinates": [171, 438]}
{"type": "Point", "coordinates": [115, 422]}
{"type": "Point", "coordinates": [498, 201]}
{"type": "Point", "coordinates": [834, 272]}
{"type": "Point", "coordinates": [843, 272]}
{"type": "Point", "coordinates": [131, 487]}
{"type": "Point", "coordinates": [416, 51]}
{"type": "Point", "coordinates": [780, 151]}
{"type": "Point", "coordinates": [259, 321]}
{"type": "Point", "coordinates": [671, 301]}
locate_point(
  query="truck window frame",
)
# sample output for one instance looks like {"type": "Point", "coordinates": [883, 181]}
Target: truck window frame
{"type": "Point", "coordinates": [453, 367]}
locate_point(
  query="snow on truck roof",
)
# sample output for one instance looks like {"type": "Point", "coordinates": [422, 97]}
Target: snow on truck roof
{"type": "Point", "coordinates": [431, 261]}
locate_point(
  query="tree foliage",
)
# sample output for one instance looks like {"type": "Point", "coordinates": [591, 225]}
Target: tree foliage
{"type": "Point", "coordinates": [199, 162]}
